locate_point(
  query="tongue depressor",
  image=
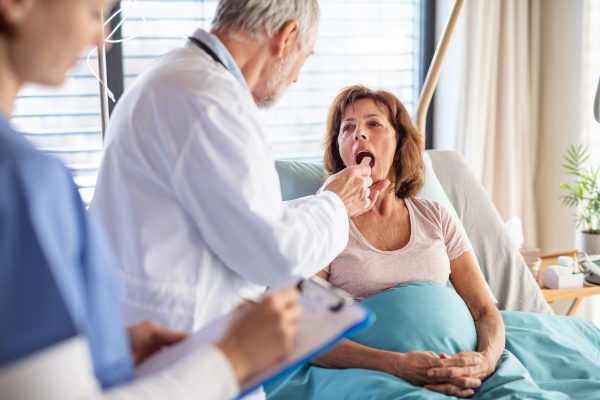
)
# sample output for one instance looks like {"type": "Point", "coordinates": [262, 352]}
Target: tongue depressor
{"type": "Point", "coordinates": [365, 161]}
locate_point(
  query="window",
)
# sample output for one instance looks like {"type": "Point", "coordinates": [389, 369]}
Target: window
{"type": "Point", "coordinates": [65, 121]}
{"type": "Point", "coordinates": [374, 43]}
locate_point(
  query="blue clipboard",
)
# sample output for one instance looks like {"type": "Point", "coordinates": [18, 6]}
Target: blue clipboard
{"type": "Point", "coordinates": [328, 308]}
{"type": "Point", "coordinates": [329, 317]}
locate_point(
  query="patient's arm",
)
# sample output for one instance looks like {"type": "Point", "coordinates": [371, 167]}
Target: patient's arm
{"type": "Point", "coordinates": [412, 367]}
{"type": "Point", "coordinates": [467, 281]}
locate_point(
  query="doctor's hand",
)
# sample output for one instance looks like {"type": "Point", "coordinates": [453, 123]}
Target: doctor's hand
{"type": "Point", "coordinates": [413, 368]}
{"type": "Point", "coordinates": [262, 333]}
{"type": "Point", "coordinates": [147, 337]}
{"type": "Point", "coordinates": [356, 189]}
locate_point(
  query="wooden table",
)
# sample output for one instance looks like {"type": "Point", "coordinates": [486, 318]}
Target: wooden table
{"type": "Point", "coordinates": [561, 294]}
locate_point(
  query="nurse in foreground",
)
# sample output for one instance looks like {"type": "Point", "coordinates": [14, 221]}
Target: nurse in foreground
{"type": "Point", "coordinates": [61, 332]}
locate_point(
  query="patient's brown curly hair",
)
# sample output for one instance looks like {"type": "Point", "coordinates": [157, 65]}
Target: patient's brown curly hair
{"type": "Point", "coordinates": [408, 161]}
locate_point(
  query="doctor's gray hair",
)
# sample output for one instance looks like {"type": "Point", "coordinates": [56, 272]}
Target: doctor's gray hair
{"type": "Point", "coordinates": [267, 17]}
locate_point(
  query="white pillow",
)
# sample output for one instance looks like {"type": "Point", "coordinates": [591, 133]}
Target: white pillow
{"type": "Point", "coordinates": [433, 191]}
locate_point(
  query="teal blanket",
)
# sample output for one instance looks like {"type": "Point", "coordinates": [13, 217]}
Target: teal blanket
{"type": "Point", "coordinates": [546, 356]}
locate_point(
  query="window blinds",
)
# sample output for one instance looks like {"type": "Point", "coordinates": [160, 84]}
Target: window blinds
{"type": "Point", "coordinates": [374, 43]}
{"type": "Point", "coordinates": [65, 121]}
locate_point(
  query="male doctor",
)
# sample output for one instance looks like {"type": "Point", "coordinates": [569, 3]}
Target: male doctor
{"type": "Point", "coordinates": [188, 189]}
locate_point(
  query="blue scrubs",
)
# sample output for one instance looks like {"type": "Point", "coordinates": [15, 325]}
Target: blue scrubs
{"type": "Point", "coordinates": [57, 272]}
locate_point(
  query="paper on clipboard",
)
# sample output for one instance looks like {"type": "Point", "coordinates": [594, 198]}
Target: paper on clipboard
{"type": "Point", "coordinates": [320, 328]}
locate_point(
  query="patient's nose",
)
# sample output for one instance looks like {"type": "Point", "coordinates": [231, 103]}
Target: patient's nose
{"type": "Point", "coordinates": [359, 134]}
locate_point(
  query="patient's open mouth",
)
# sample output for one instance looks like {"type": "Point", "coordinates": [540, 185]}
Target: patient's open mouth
{"type": "Point", "coordinates": [362, 154]}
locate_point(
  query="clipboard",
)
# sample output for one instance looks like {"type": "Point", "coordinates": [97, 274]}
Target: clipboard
{"type": "Point", "coordinates": [329, 316]}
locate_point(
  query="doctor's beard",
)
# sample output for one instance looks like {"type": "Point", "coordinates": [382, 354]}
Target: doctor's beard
{"type": "Point", "coordinates": [276, 85]}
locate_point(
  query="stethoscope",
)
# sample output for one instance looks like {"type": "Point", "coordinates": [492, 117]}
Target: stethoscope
{"type": "Point", "coordinates": [207, 49]}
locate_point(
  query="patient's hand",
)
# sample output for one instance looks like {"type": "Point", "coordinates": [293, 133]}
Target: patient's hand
{"type": "Point", "coordinates": [460, 365]}
{"type": "Point", "coordinates": [413, 368]}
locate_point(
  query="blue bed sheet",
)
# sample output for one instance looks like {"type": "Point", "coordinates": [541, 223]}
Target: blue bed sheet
{"type": "Point", "coordinates": [546, 357]}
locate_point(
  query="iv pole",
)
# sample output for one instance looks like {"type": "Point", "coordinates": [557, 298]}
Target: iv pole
{"type": "Point", "coordinates": [102, 74]}
{"type": "Point", "coordinates": [436, 67]}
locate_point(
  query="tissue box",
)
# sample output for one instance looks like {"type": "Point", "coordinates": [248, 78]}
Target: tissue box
{"type": "Point", "coordinates": [553, 281]}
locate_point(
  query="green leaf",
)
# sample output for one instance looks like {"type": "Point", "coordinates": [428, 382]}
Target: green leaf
{"type": "Point", "coordinates": [569, 160]}
{"type": "Point", "coordinates": [564, 186]}
{"type": "Point", "coordinates": [568, 167]}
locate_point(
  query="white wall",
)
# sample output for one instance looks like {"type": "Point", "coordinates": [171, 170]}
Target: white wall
{"type": "Point", "coordinates": [448, 88]}
{"type": "Point", "coordinates": [559, 117]}
{"type": "Point", "coordinates": [559, 108]}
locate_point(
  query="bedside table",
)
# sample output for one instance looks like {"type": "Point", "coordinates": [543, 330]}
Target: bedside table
{"type": "Point", "coordinates": [551, 295]}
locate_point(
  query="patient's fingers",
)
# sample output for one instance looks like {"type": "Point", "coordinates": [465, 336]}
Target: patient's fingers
{"type": "Point", "coordinates": [466, 382]}
{"type": "Point", "coordinates": [453, 372]}
{"type": "Point", "coordinates": [446, 361]}
{"type": "Point", "coordinates": [450, 390]}
{"type": "Point", "coordinates": [463, 382]}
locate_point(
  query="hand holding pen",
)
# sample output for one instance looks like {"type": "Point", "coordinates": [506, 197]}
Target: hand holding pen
{"type": "Point", "coordinates": [263, 333]}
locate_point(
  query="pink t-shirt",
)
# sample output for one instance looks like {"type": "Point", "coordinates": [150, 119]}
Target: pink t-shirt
{"type": "Point", "coordinates": [435, 240]}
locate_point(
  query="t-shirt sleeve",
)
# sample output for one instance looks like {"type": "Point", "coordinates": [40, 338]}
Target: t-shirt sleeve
{"type": "Point", "coordinates": [32, 310]}
{"type": "Point", "coordinates": [455, 239]}
{"type": "Point", "coordinates": [57, 276]}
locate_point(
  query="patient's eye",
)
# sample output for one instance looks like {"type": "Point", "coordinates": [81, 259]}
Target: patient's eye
{"type": "Point", "coordinates": [346, 128]}
{"type": "Point", "coordinates": [374, 123]}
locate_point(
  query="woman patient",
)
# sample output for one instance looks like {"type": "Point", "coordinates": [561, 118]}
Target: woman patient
{"type": "Point", "coordinates": [403, 239]}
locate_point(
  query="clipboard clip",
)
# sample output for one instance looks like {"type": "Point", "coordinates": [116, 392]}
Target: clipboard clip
{"type": "Point", "coordinates": [324, 293]}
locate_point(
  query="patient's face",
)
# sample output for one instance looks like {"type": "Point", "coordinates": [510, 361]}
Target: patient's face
{"type": "Point", "coordinates": [367, 132]}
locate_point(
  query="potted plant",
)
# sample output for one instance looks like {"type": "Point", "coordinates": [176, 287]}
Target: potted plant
{"type": "Point", "coordinates": [583, 193]}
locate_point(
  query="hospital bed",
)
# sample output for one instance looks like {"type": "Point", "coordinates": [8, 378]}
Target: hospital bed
{"type": "Point", "coordinates": [546, 357]}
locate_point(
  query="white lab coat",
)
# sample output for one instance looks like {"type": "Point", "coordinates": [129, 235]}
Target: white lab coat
{"type": "Point", "coordinates": [190, 197]}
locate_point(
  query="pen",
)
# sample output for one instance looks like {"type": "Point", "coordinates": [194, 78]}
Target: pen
{"type": "Point", "coordinates": [249, 295]}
